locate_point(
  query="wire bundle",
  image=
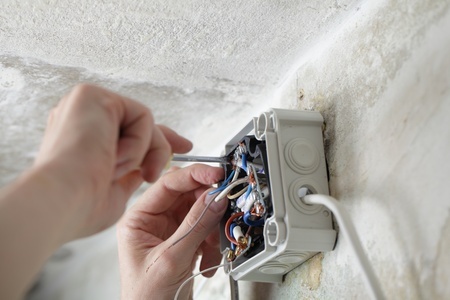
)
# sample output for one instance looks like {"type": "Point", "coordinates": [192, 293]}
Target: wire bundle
{"type": "Point", "coordinates": [245, 188]}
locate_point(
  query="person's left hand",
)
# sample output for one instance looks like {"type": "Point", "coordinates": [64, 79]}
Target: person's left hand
{"type": "Point", "coordinates": [98, 148]}
{"type": "Point", "coordinates": [151, 266]}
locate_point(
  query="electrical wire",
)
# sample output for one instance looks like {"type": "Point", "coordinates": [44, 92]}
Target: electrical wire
{"type": "Point", "coordinates": [228, 225]}
{"type": "Point", "coordinates": [184, 235]}
{"type": "Point", "coordinates": [249, 190]}
{"type": "Point", "coordinates": [195, 275]}
{"type": "Point", "coordinates": [229, 188]}
{"type": "Point", "coordinates": [250, 222]}
{"type": "Point", "coordinates": [236, 195]}
{"type": "Point", "coordinates": [244, 162]}
{"type": "Point", "coordinates": [349, 232]}
{"type": "Point", "coordinates": [236, 174]}
{"type": "Point", "coordinates": [224, 184]}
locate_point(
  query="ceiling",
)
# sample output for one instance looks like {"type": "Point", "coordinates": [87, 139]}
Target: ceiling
{"type": "Point", "coordinates": [203, 68]}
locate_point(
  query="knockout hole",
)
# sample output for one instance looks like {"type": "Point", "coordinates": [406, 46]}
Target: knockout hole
{"type": "Point", "coordinates": [304, 191]}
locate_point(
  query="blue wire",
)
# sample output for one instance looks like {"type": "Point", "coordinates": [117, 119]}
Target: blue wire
{"type": "Point", "coordinates": [224, 184]}
{"type": "Point", "coordinates": [244, 162]}
{"type": "Point", "coordinates": [249, 190]}
{"type": "Point", "coordinates": [233, 246]}
{"type": "Point", "coordinates": [219, 189]}
{"type": "Point", "coordinates": [257, 223]}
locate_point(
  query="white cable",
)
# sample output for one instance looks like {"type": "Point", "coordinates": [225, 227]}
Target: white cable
{"type": "Point", "coordinates": [349, 232]}
{"type": "Point", "coordinates": [195, 275]}
{"type": "Point", "coordinates": [258, 188]}
{"type": "Point", "coordinates": [229, 188]}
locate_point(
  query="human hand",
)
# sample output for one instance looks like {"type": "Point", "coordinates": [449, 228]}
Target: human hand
{"type": "Point", "coordinates": [153, 260]}
{"type": "Point", "coordinates": [101, 146]}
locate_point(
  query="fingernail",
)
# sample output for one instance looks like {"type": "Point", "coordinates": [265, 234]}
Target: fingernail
{"type": "Point", "coordinates": [215, 206]}
{"type": "Point", "coordinates": [168, 163]}
{"type": "Point", "coordinates": [120, 171]}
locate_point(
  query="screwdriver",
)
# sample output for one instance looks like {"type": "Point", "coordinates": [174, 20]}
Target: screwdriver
{"type": "Point", "coordinates": [205, 159]}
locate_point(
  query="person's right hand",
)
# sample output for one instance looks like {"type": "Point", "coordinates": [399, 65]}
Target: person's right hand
{"type": "Point", "coordinates": [100, 146]}
{"type": "Point", "coordinates": [159, 237]}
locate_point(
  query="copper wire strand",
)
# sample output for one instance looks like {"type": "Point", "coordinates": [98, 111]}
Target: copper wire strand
{"type": "Point", "coordinates": [228, 225]}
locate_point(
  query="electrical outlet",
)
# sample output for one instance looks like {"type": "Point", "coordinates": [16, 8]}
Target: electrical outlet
{"type": "Point", "coordinates": [268, 230]}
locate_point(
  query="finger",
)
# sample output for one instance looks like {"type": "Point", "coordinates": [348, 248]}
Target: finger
{"type": "Point", "coordinates": [172, 169]}
{"type": "Point", "coordinates": [211, 255]}
{"type": "Point", "coordinates": [51, 117]}
{"type": "Point", "coordinates": [178, 143]}
{"type": "Point", "coordinates": [124, 125]}
{"type": "Point", "coordinates": [135, 138]}
{"type": "Point", "coordinates": [157, 156]}
{"type": "Point", "coordinates": [128, 183]}
{"type": "Point", "coordinates": [162, 195]}
{"type": "Point", "coordinates": [119, 194]}
{"type": "Point", "coordinates": [202, 219]}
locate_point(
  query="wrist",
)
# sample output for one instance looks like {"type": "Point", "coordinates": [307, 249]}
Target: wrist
{"type": "Point", "coordinates": [53, 187]}
{"type": "Point", "coordinates": [35, 220]}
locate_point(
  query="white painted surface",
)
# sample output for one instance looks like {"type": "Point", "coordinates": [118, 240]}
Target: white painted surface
{"type": "Point", "coordinates": [382, 83]}
{"type": "Point", "coordinates": [379, 73]}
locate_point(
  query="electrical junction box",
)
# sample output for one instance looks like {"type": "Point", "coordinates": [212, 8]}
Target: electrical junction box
{"type": "Point", "coordinates": [268, 230]}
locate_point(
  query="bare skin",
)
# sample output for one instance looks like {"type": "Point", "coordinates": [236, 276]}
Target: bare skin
{"type": "Point", "coordinates": [97, 149]}
{"type": "Point", "coordinates": [154, 262]}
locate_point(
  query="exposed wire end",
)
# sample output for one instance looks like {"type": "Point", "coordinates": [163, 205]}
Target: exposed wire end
{"type": "Point", "coordinates": [248, 220]}
{"type": "Point", "coordinates": [224, 184]}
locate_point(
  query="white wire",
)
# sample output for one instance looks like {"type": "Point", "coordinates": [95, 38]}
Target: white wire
{"type": "Point", "coordinates": [229, 188]}
{"type": "Point", "coordinates": [236, 174]}
{"type": "Point", "coordinates": [258, 188]}
{"type": "Point", "coordinates": [195, 275]}
{"type": "Point", "coordinates": [349, 232]}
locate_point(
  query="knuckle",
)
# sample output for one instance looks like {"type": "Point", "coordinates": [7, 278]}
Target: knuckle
{"type": "Point", "coordinates": [147, 113]}
{"type": "Point", "coordinates": [82, 88]}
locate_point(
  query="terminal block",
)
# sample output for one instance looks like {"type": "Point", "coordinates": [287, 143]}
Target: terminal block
{"type": "Point", "coordinates": [268, 230]}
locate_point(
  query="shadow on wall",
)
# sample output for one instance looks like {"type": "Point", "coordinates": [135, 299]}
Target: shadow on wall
{"type": "Point", "coordinates": [383, 87]}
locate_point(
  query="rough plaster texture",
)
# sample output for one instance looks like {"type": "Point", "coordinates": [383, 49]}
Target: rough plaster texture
{"type": "Point", "coordinates": [237, 46]}
{"type": "Point", "coordinates": [383, 85]}
{"type": "Point", "coordinates": [29, 88]}
{"type": "Point", "coordinates": [379, 73]}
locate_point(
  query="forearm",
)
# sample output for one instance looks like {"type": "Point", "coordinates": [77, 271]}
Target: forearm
{"type": "Point", "coordinates": [35, 219]}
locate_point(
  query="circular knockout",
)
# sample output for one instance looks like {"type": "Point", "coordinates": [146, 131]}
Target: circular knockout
{"type": "Point", "coordinates": [302, 156]}
{"type": "Point", "coordinates": [274, 268]}
{"type": "Point", "coordinates": [302, 187]}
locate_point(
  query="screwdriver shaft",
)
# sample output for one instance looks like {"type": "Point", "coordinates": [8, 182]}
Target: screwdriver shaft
{"type": "Point", "coordinates": [205, 159]}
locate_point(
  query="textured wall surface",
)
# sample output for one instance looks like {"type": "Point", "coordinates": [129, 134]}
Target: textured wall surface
{"type": "Point", "coordinates": [383, 85]}
{"type": "Point", "coordinates": [378, 72]}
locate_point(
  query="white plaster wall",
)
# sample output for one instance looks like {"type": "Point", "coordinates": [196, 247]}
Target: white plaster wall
{"type": "Point", "coordinates": [231, 45]}
{"type": "Point", "coordinates": [382, 83]}
{"type": "Point", "coordinates": [197, 65]}
{"type": "Point", "coordinates": [379, 73]}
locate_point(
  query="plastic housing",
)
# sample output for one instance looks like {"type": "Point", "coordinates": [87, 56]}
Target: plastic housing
{"type": "Point", "coordinates": [295, 231]}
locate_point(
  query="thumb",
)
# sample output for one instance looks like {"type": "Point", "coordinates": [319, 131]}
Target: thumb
{"type": "Point", "coordinates": [201, 220]}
